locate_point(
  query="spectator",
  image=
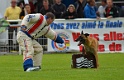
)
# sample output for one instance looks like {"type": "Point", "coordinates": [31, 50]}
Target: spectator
{"type": "Point", "coordinates": [90, 9]}
{"type": "Point", "coordinates": [59, 8]}
{"type": "Point", "coordinates": [70, 13]}
{"type": "Point", "coordinates": [25, 11]}
{"type": "Point", "coordinates": [79, 5]}
{"type": "Point", "coordinates": [46, 8]}
{"type": "Point", "coordinates": [111, 11]}
{"type": "Point", "coordinates": [12, 13]}
{"type": "Point", "coordinates": [101, 9]}
{"type": "Point", "coordinates": [38, 6]}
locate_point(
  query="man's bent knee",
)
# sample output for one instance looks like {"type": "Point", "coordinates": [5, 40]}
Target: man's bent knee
{"type": "Point", "coordinates": [38, 49]}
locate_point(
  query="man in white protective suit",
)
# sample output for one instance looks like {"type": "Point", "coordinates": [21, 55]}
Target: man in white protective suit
{"type": "Point", "coordinates": [32, 27]}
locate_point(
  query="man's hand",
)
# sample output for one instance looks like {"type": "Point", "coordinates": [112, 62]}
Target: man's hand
{"type": "Point", "coordinates": [98, 17]}
{"type": "Point", "coordinates": [109, 17]}
{"type": "Point", "coordinates": [59, 40]}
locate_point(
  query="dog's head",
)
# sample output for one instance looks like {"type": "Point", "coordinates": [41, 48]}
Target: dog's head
{"type": "Point", "coordinates": [82, 38]}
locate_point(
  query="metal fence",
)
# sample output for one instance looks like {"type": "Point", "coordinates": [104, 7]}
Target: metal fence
{"type": "Point", "coordinates": [8, 43]}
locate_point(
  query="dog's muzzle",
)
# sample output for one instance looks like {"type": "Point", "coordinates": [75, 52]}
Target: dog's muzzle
{"type": "Point", "coordinates": [81, 40]}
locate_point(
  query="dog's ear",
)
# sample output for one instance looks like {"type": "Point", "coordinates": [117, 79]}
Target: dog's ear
{"type": "Point", "coordinates": [86, 34]}
{"type": "Point", "coordinates": [82, 32]}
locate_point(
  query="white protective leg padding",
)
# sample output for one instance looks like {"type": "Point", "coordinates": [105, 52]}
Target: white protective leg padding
{"type": "Point", "coordinates": [37, 59]}
{"type": "Point", "coordinates": [38, 53]}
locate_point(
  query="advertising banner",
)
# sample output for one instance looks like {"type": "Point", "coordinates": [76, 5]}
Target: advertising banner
{"type": "Point", "coordinates": [109, 33]}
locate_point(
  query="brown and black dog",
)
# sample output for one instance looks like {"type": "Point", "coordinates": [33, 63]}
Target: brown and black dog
{"type": "Point", "coordinates": [90, 45]}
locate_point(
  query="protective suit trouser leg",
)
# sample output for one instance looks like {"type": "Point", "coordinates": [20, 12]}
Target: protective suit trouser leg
{"type": "Point", "coordinates": [26, 44]}
{"type": "Point", "coordinates": [38, 53]}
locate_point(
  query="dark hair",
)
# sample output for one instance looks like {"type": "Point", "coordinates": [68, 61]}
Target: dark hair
{"type": "Point", "coordinates": [26, 5]}
{"type": "Point", "coordinates": [50, 15]}
{"type": "Point", "coordinates": [88, 1]}
{"type": "Point", "coordinates": [104, 1]}
{"type": "Point", "coordinates": [45, 1]}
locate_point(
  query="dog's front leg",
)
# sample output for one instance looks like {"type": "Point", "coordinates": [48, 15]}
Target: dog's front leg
{"type": "Point", "coordinates": [96, 56]}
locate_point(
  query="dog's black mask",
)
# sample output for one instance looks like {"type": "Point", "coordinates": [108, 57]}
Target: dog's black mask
{"type": "Point", "coordinates": [81, 39]}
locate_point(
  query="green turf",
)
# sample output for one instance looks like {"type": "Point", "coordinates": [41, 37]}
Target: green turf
{"type": "Point", "coordinates": [58, 67]}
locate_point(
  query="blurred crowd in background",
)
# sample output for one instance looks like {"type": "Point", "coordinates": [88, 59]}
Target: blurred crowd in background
{"type": "Point", "coordinates": [67, 9]}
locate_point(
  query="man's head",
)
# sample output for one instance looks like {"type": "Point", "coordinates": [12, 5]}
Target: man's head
{"type": "Point", "coordinates": [81, 1]}
{"type": "Point", "coordinates": [91, 2]}
{"type": "Point", "coordinates": [28, 8]}
{"type": "Point", "coordinates": [58, 1]}
{"type": "Point", "coordinates": [45, 3]}
{"type": "Point", "coordinates": [13, 3]}
{"type": "Point", "coordinates": [49, 17]}
{"type": "Point", "coordinates": [110, 3]}
{"type": "Point", "coordinates": [103, 2]}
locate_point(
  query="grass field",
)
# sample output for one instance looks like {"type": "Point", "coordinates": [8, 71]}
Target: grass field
{"type": "Point", "coordinates": [58, 67]}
